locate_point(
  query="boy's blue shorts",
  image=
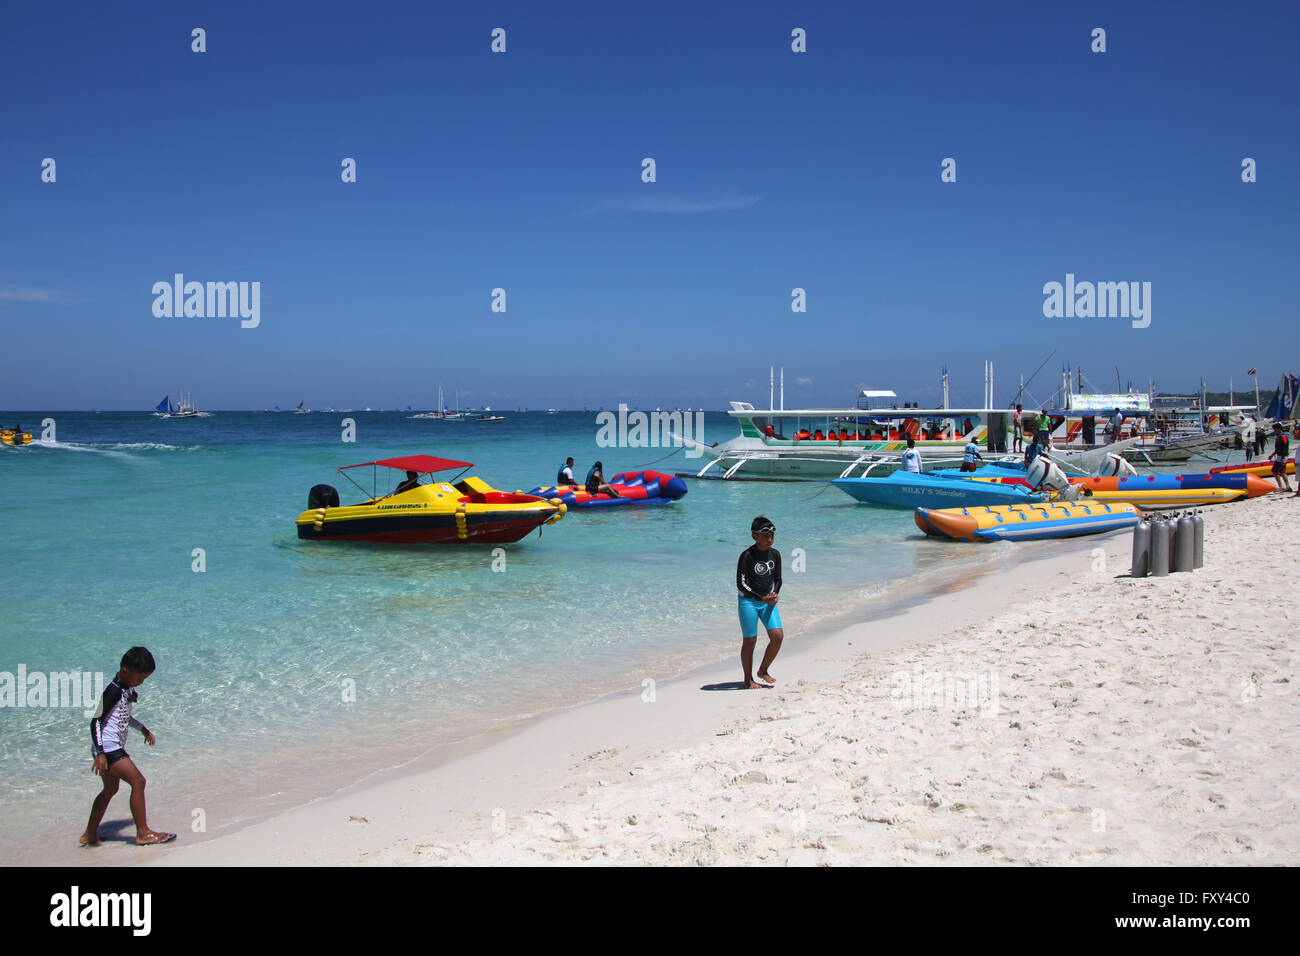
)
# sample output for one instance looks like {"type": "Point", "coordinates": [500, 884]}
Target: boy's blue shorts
{"type": "Point", "coordinates": [751, 612]}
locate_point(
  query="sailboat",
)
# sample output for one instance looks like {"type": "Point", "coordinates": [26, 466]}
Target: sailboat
{"type": "Point", "coordinates": [302, 409]}
{"type": "Point", "coordinates": [439, 411]}
{"type": "Point", "coordinates": [457, 415]}
{"type": "Point", "coordinates": [182, 409]}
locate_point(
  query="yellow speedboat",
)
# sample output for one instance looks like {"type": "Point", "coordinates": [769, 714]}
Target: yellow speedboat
{"type": "Point", "coordinates": [14, 436]}
{"type": "Point", "coordinates": [424, 511]}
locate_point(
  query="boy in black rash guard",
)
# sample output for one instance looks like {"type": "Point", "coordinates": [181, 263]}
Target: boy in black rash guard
{"type": "Point", "coordinates": [108, 730]}
{"type": "Point", "coordinates": [758, 582]}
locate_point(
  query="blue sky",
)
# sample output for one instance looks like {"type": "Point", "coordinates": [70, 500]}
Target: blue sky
{"type": "Point", "coordinates": [522, 171]}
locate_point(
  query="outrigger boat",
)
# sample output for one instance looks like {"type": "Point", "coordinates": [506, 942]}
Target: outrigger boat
{"type": "Point", "coordinates": [820, 443]}
{"type": "Point", "coordinates": [469, 511]}
{"type": "Point", "coordinates": [182, 409]}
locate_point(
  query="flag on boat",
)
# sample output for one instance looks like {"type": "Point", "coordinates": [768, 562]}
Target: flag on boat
{"type": "Point", "coordinates": [1251, 372]}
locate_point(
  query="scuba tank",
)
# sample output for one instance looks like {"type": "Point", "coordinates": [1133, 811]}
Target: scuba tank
{"type": "Point", "coordinates": [1184, 542]}
{"type": "Point", "coordinates": [1141, 549]}
{"type": "Point", "coordinates": [1161, 535]}
{"type": "Point", "coordinates": [1198, 540]}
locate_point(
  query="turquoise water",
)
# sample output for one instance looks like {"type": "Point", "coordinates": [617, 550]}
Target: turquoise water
{"type": "Point", "coordinates": [248, 701]}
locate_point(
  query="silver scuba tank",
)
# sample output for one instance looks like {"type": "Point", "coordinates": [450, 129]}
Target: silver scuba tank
{"type": "Point", "coordinates": [1184, 543]}
{"type": "Point", "coordinates": [1161, 539]}
{"type": "Point", "coordinates": [1141, 549]}
{"type": "Point", "coordinates": [1198, 541]}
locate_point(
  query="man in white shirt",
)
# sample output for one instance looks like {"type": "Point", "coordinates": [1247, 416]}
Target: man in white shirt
{"type": "Point", "coordinates": [912, 457]}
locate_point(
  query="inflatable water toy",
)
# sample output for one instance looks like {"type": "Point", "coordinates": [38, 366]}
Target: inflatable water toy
{"type": "Point", "coordinates": [633, 487]}
{"type": "Point", "coordinates": [1149, 498]}
{"type": "Point", "coordinates": [904, 489]}
{"type": "Point", "coordinates": [1027, 522]}
{"type": "Point", "coordinates": [12, 436]}
{"type": "Point", "coordinates": [1261, 469]}
{"type": "Point", "coordinates": [1248, 485]}
{"type": "Point", "coordinates": [444, 512]}
{"type": "Point", "coordinates": [1172, 491]}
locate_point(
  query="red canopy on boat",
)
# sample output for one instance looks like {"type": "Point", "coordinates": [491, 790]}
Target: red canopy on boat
{"type": "Point", "coordinates": [420, 463]}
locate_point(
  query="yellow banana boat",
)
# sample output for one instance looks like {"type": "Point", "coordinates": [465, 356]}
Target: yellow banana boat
{"type": "Point", "coordinates": [11, 436]}
{"type": "Point", "coordinates": [1026, 522]}
{"type": "Point", "coordinates": [1169, 498]}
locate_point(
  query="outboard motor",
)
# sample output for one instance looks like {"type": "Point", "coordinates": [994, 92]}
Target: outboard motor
{"type": "Point", "coordinates": [322, 496]}
{"type": "Point", "coordinates": [1043, 474]}
{"type": "Point", "coordinates": [1116, 465]}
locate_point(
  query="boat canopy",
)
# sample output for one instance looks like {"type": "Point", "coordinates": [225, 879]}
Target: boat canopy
{"type": "Point", "coordinates": [421, 463]}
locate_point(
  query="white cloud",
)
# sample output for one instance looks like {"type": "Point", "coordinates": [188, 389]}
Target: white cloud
{"type": "Point", "coordinates": [13, 293]}
{"type": "Point", "coordinates": [670, 204]}
{"type": "Point", "coordinates": [803, 381]}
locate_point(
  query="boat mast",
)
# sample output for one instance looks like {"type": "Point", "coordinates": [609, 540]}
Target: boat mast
{"type": "Point", "coordinates": [782, 388]}
{"type": "Point", "coordinates": [771, 388]}
{"type": "Point", "coordinates": [944, 380]}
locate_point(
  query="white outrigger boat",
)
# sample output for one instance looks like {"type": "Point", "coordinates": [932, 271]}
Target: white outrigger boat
{"type": "Point", "coordinates": [821, 443]}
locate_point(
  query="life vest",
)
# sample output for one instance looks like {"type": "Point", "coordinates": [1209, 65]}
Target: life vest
{"type": "Point", "coordinates": [561, 478]}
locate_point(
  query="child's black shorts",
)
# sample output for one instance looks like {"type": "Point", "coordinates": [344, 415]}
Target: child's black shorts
{"type": "Point", "coordinates": [115, 755]}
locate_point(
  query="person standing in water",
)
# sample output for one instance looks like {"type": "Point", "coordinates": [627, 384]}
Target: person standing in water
{"type": "Point", "coordinates": [911, 460]}
{"type": "Point", "coordinates": [758, 584]}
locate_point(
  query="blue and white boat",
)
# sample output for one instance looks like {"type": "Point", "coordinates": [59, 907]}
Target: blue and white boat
{"type": "Point", "coordinates": [904, 489]}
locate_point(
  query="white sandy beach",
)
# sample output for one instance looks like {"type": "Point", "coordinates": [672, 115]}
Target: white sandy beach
{"type": "Point", "coordinates": [1060, 712]}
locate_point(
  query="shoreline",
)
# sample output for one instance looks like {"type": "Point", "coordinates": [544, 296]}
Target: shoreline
{"type": "Point", "coordinates": [524, 756]}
